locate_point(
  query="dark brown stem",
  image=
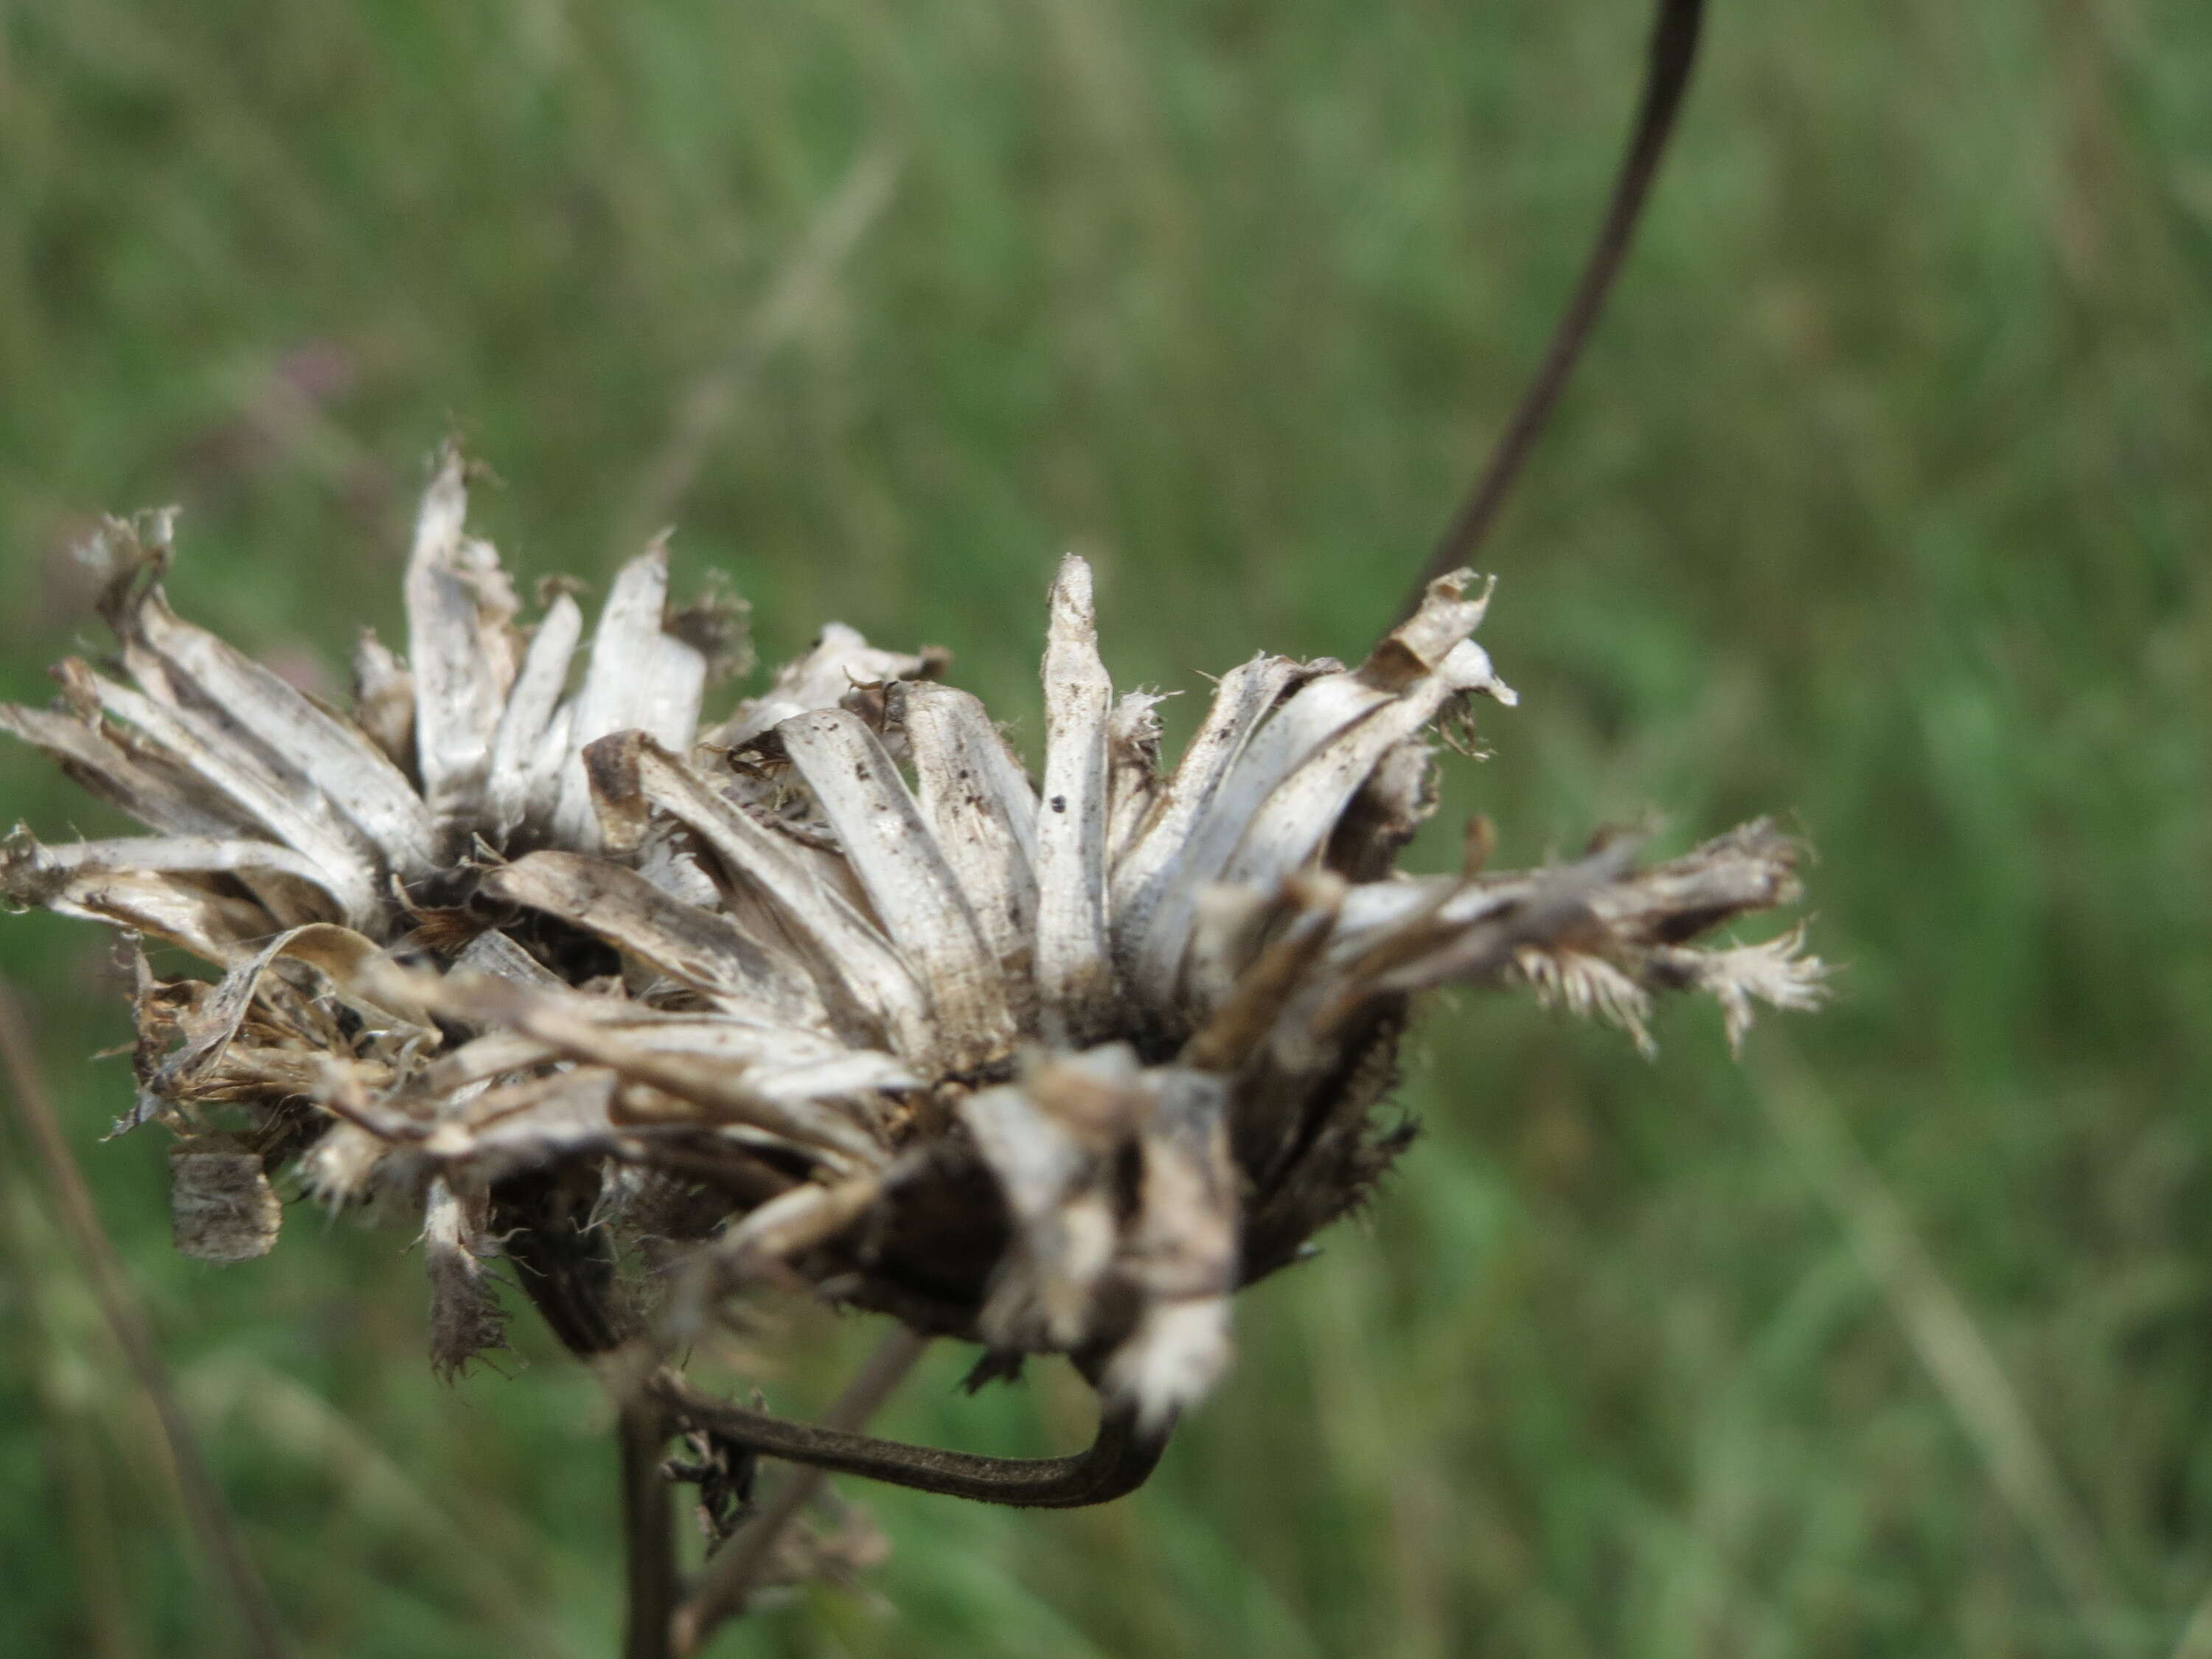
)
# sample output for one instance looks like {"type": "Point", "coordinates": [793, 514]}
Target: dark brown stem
{"type": "Point", "coordinates": [735, 1568]}
{"type": "Point", "coordinates": [134, 1333]}
{"type": "Point", "coordinates": [1117, 1463]}
{"type": "Point", "coordinates": [648, 1537]}
{"type": "Point", "coordinates": [1674, 50]}
{"type": "Point", "coordinates": [562, 1262]}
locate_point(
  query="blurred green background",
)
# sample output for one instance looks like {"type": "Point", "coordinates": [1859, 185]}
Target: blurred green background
{"type": "Point", "coordinates": [1881, 501]}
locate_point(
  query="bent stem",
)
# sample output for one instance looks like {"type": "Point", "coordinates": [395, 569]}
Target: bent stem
{"type": "Point", "coordinates": [1674, 50]}
{"type": "Point", "coordinates": [1116, 1463]}
{"type": "Point", "coordinates": [732, 1570]}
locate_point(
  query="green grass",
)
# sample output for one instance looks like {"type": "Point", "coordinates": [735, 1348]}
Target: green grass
{"type": "Point", "coordinates": [1883, 499]}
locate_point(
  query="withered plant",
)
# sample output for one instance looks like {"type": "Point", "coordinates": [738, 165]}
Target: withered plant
{"type": "Point", "coordinates": [641, 1012]}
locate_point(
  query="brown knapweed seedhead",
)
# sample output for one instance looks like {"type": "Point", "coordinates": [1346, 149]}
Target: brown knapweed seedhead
{"type": "Point", "coordinates": [834, 986]}
{"type": "Point", "coordinates": [834, 992]}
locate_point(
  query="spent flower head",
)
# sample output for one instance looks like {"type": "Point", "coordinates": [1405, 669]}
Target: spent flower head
{"type": "Point", "coordinates": [1054, 1061]}
{"type": "Point", "coordinates": [836, 992]}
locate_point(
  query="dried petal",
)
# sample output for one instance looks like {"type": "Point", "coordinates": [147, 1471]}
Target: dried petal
{"type": "Point", "coordinates": [1132, 781]}
{"type": "Point", "coordinates": [1074, 969]}
{"type": "Point", "coordinates": [891, 848]}
{"type": "Point", "coordinates": [639, 677]}
{"type": "Point", "coordinates": [337, 952]}
{"type": "Point", "coordinates": [1050, 1140]}
{"type": "Point", "coordinates": [526, 721]}
{"type": "Point", "coordinates": [716, 1089]}
{"type": "Point", "coordinates": [332, 757]}
{"type": "Point", "coordinates": [384, 702]}
{"type": "Point", "coordinates": [279, 807]}
{"type": "Point", "coordinates": [1774, 971]}
{"type": "Point", "coordinates": [840, 661]}
{"type": "Point", "coordinates": [1144, 873]}
{"type": "Point", "coordinates": [466, 1317]}
{"type": "Point", "coordinates": [177, 910]}
{"type": "Point", "coordinates": [984, 815]}
{"type": "Point", "coordinates": [695, 946]}
{"type": "Point", "coordinates": [851, 962]}
{"type": "Point", "coordinates": [1589, 987]}
{"type": "Point", "coordinates": [460, 604]}
{"type": "Point", "coordinates": [149, 791]}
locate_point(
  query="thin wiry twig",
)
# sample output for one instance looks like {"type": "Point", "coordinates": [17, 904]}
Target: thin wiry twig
{"type": "Point", "coordinates": [1959, 1358]}
{"type": "Point", "coordinates": [730, 1575]}
{"type": "Point", "coordinates": [648, 1538]}
{"type": "Point", "coordinates": [134, 1333]}
{"type": "Point", "coordinates": [1674, 50]}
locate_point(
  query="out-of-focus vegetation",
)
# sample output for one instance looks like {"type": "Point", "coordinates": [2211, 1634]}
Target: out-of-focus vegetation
{"type": "Point", "coordinates": [1883, 499]}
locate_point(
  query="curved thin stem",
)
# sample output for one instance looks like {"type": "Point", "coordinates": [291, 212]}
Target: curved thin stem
{"type": "Point", "coordinates": [732, 1570]}
{"type": "Point", "coordinates": [1117, 1462]}
{"type": "Point", "coordinates": [1666, 77]}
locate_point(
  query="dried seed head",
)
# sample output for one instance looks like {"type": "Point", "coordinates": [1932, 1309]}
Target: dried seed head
{"type": "Point", "coordinates": [1052, 1067]}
